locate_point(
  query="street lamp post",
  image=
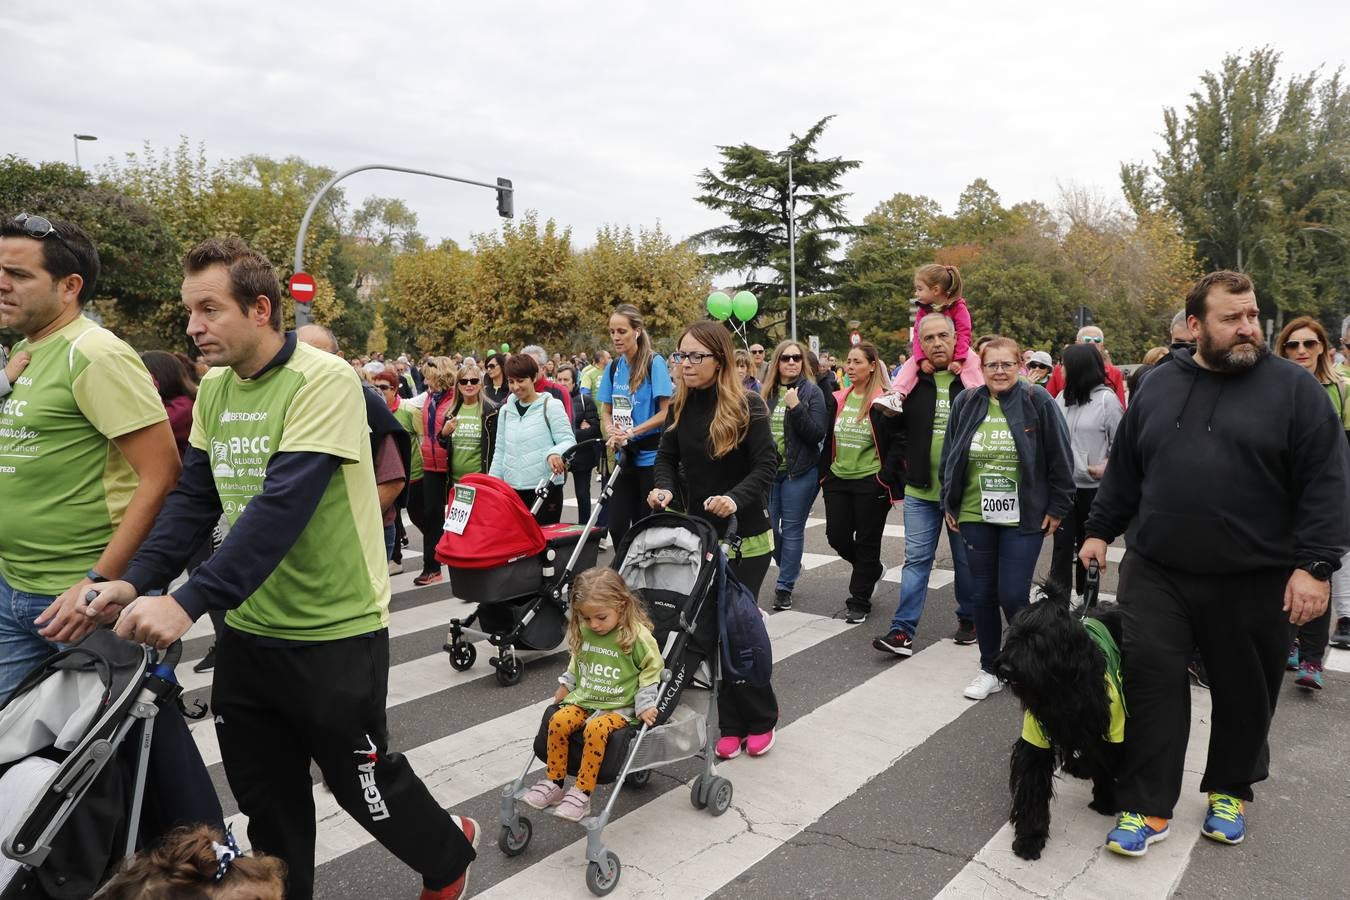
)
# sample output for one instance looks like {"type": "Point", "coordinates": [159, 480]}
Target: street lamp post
{"type": "Point", "coordinates": [76, 142]}
{"type": "Point", "coordinates": [505, 208]}
{"type": "Point", "coordinates": [792, 250]}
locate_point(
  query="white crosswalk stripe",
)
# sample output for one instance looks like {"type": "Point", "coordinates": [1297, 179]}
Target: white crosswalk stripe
{"type": "Point", "coordinates": [828, 755]}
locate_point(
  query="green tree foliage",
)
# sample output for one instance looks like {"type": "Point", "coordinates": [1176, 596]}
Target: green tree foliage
{"type": "Point", "coordinates": [1257, 171]}
{"type": "Point", "coordinates": [663, 279]}
{"type": "Point", "coordinates": [750, 188]}
{"type": "Point", "coordinates": [138, 255]}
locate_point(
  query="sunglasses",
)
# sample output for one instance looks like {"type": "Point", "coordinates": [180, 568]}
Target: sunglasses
{"type": "Point", "coordinates": [468, 381]}
{"type": "Point", "coordinates": [1310, 344]}
{"type": "Point", "coordinates": [388, 387]}
{"type": "Point", "coordinates": [39, 228]}
{"type": "Point", "coordinates": [790, 357]}
{"type": "Point", "coordinates": [756, 352]}
{"type": "Point", "coordinates": [1092, 340]}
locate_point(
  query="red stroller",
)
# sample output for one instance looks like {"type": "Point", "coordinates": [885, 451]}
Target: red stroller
{"type": "Point", "coordinates": [500, 558]}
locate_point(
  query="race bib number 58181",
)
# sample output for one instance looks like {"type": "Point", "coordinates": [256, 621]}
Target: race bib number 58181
{"type": "Point", "coordinates": [460, 509]}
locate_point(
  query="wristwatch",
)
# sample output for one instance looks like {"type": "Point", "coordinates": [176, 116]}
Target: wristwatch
{"type": "Point", "coordinates": [1319, 569]}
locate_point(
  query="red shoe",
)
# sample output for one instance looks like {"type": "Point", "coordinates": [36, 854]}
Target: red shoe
{"type": "Point", "coordinates": [427, 578]}
{"type": "Point", "coordinates": [759, 744]}
{"type": "Point", "coordinates": [455, 889]}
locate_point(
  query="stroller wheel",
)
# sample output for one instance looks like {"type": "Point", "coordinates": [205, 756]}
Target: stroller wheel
{"type": "Point", "coordinates": [603, 879]}
{"type": "Point", "coordinates": [639, 779]}
{"type": "Point", "coordinates": [462, 656]}
{"type": "Point", "coordinates": [719, 795]}
{"type": "Point", "coordinates": [513, 843]}
{"type": "Point", "coordinates": [696, 795]}
{"type": "Point", "coordinates": [509, 670]}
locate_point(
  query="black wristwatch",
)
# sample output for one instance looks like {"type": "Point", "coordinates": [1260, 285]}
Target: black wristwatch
{"type": "Point", "coordinates": [1319, 569]}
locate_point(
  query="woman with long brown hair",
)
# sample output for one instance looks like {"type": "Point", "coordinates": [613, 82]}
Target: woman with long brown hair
{"type": "Point", "coordinates": [863, 464]}
{"type": "Point", "coordinates": [1305, 342]}
{"type": "Point", "coordinates": [716, 461]}
{"type": "Point", "coordinates": [633, 394]}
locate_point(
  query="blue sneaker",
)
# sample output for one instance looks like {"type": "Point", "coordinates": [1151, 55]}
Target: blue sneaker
{"type": "Point", "coordinates": [1291, 664]}
{"type": "Point", "coordinates": [1226, 822]}
{"type": "Point", "coordinates": [1134, 832]}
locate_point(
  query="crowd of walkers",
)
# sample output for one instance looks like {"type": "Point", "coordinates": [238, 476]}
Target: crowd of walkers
{"type": "Point", "coordinates": [272, 471]}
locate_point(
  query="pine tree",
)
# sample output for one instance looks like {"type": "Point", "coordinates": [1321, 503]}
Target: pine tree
{"type": "Point", "coordinates": [751, 190]}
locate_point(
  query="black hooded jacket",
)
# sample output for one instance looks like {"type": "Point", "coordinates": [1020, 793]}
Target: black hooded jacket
{"type": "Point", "coordinates": [1217, 473]}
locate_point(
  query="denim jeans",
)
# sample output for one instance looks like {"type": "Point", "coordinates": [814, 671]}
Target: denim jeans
{"type": "Point", "coordinates": [1002, 562]}
{"type": "Point", "coordinates": [21, 647]}
{"type": "Point", "coordinates": [923, 527]}
{"type": "Point", "coordinates": [390, 538]}
{"type": "Point", "coordinates": [790, 502]}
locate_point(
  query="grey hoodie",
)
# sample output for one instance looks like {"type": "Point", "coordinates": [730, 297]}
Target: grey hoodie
{"type": "Point", "coordinates": [1092, 428]}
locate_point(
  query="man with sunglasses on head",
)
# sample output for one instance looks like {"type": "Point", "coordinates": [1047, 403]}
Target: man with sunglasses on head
{"type": "Point", "coordinates": [1091, 334]}
{"type": "Point", "coordinates": [86, 453]}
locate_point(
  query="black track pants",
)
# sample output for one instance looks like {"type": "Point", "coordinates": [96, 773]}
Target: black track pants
{"type": "Point", "coordinates": [855, 520]}
{"type": "Point", "coordinates": [277, 708]}
{"type": "Point", "coordinates": [1237, 623]}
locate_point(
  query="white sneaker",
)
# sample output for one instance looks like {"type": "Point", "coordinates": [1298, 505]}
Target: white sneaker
{"type": "Point", "coordinates": [604, 542]}
{"type": "Point", "coordinates": [982, 685]}
{"type": "Point", "coordinates": [395, 568]}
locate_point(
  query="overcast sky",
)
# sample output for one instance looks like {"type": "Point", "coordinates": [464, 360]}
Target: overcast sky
{"type": "Point", "coordinates": [605, 112]}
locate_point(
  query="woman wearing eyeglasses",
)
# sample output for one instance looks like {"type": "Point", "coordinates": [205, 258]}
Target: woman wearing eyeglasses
{"type": "Point", "coordinates": [440, 374]}
{"type": "Point", "coordinates": [716, 460]}
{"type": "Point", "coordinates": [798, 419]}
{"type": "Point", "coordinates": [1007, 482]}
{"type": "Point", "coordinates": [494, 378]}
{"type": "Point", "coordinates": [1305, 341]}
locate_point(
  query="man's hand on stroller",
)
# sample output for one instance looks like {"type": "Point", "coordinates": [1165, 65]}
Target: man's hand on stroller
{"type": "Point", "coordinates": [648, 715]}
{"type": "Point", "coordinates": [64, 621]}
{"type": "Point", "coordinates": [157, 621]}
{"type": "Point", "coordinates": [111, 597]}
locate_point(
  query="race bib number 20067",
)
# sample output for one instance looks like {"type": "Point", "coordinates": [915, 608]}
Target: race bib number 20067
{"type": "Point", "coordinates": [998, 500]}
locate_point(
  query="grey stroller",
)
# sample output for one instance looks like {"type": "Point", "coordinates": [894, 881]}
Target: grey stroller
{"type": "Point", "coordinates": [74, 755]}
{"type": "Point", "coordinates": [670, 561]}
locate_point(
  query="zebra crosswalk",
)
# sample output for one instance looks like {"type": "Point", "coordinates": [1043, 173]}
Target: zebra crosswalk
{"type": "Point", "coordinates": [884, 781]}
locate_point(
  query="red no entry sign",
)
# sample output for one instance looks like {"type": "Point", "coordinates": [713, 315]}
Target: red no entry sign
{"type": "Point", "coordinates": [302, 287]}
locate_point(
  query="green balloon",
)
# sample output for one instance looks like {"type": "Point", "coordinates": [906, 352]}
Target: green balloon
{"type": "Point", "coordinates": [744, 305]}
{"type": "Point", "coordinates": [719, 306]}
{"type": "Point", "coordinates": [506, 348]}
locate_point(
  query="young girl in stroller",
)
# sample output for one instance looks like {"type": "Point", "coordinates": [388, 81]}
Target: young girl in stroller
{"type": "Point", "coordinates": [615, 673]}
{"type": "Point", "coordinates": [201, 862]}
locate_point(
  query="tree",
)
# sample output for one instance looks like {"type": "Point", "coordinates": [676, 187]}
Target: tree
{"type": "Point", "coordinates": [522, 286]}
{"type": "Point", "coordinates": [751, 189]}
{"type": "Point", "coordinates": [1255, 170]}
{"type": "Point", "coordinates": [138, 255]}
{"type": "Point", "coordinates": [431, 292]}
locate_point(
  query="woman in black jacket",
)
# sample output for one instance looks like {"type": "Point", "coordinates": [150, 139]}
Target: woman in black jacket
{"type": "Point", "coordinates": [797, 420]}
{"type": "Point", "coordinates": [585, 426]}
{"type": "Point", "coordinates": [715, 461]}
{"type": "Point", "coordinates": [863, 464]}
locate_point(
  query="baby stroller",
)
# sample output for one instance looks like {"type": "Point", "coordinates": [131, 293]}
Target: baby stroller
{"type": "Point", "coordinates": [75, 749]}
{"type": "Point", "coordinates": [672, 562]}
{"type": "Point", "coordinates": [505, 562]}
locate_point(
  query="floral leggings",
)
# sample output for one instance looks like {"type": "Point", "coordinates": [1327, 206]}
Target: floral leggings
{"type": "Point", "coordinates": [562, 724]}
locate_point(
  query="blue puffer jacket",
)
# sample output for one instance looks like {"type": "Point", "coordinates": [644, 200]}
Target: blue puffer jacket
{"type": "Point", "coordinates": [803, 427]}
{"type": "Point", "coordinates": [525, 442]}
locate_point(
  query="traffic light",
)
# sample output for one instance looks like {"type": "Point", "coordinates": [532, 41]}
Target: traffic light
{"type": "Point", "coordinates": [506, 199]}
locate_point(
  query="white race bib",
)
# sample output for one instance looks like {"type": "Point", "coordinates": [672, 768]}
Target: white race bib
{"type": "Point", "coordinates": [998, 500]}
{"type": "Point", "coordinates": [460, 510]}
{"type": "Point", "coordinates": [622, 411]}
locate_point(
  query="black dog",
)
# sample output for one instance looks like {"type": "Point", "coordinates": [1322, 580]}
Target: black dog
{"type": "Point", "coordinates": [1057, 670]}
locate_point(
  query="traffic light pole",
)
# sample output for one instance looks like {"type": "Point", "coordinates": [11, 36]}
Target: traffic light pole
{"type": "Point", "coordinates": [505, 208]}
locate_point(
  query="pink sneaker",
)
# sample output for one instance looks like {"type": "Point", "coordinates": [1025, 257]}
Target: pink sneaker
{"type": "Point", "coordinates": [575, 806]}
{"type": "Point", "coordinates": [728, 747]}
{"type": "Point", "coordinates": [544, 794]}
{"type": "Point", "coordinates": [759, 744]}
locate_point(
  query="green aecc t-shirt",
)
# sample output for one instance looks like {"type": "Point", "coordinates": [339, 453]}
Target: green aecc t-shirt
{"type": "Point", "coordinates": [334, 583]}
{"type": "Point", "coordinates": [855, 450]}
{"type": "Point", "coordinates": [467, 442]}
{"type": "Point", "coordinates": [991, 473]}
{"type": "Point", "coordinates": [941, 412]}
{"type": "Point", "coordinates": [606, 678]}
{"type": "Point", "coordinates": [776, 428]}
{"type": "Point", "coordinates": [64, 486]}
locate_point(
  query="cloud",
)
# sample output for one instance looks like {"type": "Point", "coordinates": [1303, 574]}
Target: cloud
{"type": "Point", "coordinates": [604, 112]}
